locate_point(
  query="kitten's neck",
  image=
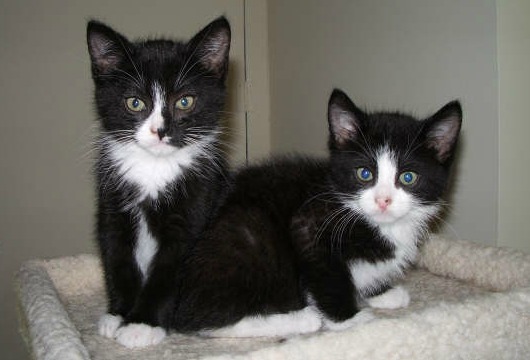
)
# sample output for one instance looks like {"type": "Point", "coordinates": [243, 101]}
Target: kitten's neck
{"type": "Point", "coordinates": [149, 173]}
{"type": "Point", "coordinates": [406, 233]}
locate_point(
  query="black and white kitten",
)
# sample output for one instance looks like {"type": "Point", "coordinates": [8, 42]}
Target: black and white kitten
{"type": "Point", "coordinates": [159, 168]}
{"type": "Point", "coordinates": [302, 244]}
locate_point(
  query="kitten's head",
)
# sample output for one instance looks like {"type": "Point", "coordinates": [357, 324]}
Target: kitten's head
{"type": "Point", "coordinates": [390, 167]}
{"type": "Point", "coordinates": [160, 95]}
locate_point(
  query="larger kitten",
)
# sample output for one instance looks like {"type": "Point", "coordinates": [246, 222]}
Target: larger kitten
{"type": "Point", "coordinates": [159, 169]}
{"type": "Point", "coordinates": [299, 240]}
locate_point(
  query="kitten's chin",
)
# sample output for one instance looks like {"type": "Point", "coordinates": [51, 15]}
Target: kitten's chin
{"type": "Point", "coordinates": [386, 218]}
{"type": "Point", "coordinates": [159, 150]}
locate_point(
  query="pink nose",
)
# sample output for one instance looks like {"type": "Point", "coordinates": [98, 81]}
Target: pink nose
{"type": "Point", "coordinates": [383, 202]}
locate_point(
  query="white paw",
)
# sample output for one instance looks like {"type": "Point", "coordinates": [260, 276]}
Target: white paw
{"type": "Point", "coordinates": [394, 298]}
{"type": "Point", "coordinates": [362, 317]}
{"type": "Point", "coordinates": [139, 335]}
{"type": "Point", "coordinates": [108, 324]}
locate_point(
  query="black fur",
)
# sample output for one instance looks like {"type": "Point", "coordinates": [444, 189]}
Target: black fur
{"type": "Point", "coordinates": [276, 239]}
{"type": "Point", "coordinates": [178, 212]}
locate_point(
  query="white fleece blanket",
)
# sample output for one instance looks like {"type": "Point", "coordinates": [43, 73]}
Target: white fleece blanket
{"type": "Point", "coordinates": [467, 302]}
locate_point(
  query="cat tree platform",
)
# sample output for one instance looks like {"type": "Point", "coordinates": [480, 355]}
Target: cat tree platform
{"type": "Point", "coordinates": [467, 302]}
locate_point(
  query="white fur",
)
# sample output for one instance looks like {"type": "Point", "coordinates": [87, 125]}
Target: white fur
{"type": "Point", "coordinates": [394, 298]}
{"type": "Point", "coordinates": [146, 247]}
{"type": "Point", "coordinates": [367, 276]}
{"type": "Point", "coordinates": [304, 321]}
{"type": "Point", "coordinates": [139, 335]}
{"type": "Point", "coordinates": [108, 325]}
{"type": "Point", "coordinates": [150, 172]}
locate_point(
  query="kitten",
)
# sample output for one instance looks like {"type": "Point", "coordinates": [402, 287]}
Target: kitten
{"type": "Point", "coordinates": [301, 244]}
{"type": "Point", "coordinates": [160, 170]}
{"type": "Point", "coordinates": [388, 174]}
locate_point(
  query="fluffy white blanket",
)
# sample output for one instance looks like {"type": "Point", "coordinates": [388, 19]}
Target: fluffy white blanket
{"type": "Point", "coordinates": [467, 302]}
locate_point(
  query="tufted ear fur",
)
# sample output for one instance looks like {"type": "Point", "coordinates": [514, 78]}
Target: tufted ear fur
{"type": "Point", "coordinates": [442, 130]}
{"type": "Point", "coordinates": [212, 45]}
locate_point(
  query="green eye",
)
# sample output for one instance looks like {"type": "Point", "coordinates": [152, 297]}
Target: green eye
{"type": "Point", "coordinates": [408, 178]}
{"type": "Point", "coordinates": [135, 104]}
{"type": "Point", "coordinates": [185, 103]}
{"type": "Point", "coordinates": [364, 174]}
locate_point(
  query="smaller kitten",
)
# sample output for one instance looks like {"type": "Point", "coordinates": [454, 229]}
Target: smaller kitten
{"type": "Point", "coordinates": [388, 174]}
{"type": "Point", "coordinates": [301, 243]}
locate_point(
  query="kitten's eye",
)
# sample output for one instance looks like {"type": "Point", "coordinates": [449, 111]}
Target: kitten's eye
{"type": "Point", "coordinates": [185, 103]}
{"type": "Point", "coordinates": [135, 104]}
{"type": "Point", "coordinates": [364, 174]}
{"type": "Point", "coordinates": [408, 178]}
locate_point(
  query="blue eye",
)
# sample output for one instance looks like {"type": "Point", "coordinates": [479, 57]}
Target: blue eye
{"type": "Point", "coordinates": [364, 174]}
{"type": "Point", "coordinates": [408, 178]}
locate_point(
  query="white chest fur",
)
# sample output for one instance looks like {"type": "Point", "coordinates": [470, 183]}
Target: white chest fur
{"type": "Point", "coordinates": [152, 173]}
{"type": "Point", "coordinates": [368, 275]}
{"type": "Point", "coordinates": [149, 172]}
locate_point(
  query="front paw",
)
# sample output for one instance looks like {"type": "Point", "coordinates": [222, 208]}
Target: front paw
{"type": "Point", "coordinates": [362, 317]}
{"type": "Point", "coordinates": [139, 335]}
{"type": "Point", "coordinates": [108, 324]}
{"type": "Point", "coordinates": [394, 298]}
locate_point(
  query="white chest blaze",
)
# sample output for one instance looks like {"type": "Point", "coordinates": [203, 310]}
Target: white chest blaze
{"type": "Point", "coordinates": [146, 247]}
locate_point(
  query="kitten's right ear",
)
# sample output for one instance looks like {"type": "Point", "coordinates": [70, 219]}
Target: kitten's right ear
{"type": "Point", "coordinates": [442, 130]}
{"type": "Point", "coordinates": [106, 47]}
{"type": "Point", "coordinates": [344, 118]}
{"type": "Point", "coordinates": [212, 45]}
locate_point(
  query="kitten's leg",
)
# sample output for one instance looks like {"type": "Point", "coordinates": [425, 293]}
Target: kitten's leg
{"type": "Point", "coordinates": [303, 321]}
{"type": "Point", "coordinates": [394, 298]}
{"type": "Point", "coordinates": [156, 301]}
{"type": "Point", "coordinates": [122, 279]}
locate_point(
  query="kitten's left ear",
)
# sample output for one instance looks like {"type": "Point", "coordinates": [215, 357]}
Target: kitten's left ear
{"type": "Point", "coordinates": [442, 130]}
{"type": "Point", "coordinates": [212, 45]}
{"type": "Point", "coordinates": [107, 48]}
{"type": "Point", "coordinates": [344, 119]}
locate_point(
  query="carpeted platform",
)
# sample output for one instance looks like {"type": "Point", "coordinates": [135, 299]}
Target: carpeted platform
{"type": "Point", "coordinates": [467, 302]}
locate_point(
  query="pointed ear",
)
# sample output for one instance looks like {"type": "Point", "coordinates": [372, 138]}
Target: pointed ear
{"type": "Point", "coordinates": [106, 47]}
{"type": "Point", "coordinates": [212, 45]}
{"type": "Point", "coordinates": [344, 118]}
{"type": "Point", "coordinates": [442, 130]}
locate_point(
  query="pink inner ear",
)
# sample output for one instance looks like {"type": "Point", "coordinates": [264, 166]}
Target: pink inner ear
{"type": "Point", "coordinates": [343, 124]}
{"type": "Point", "coordinates": [442, 137]}
{"type": "Point", "coordinates": [214, 52]}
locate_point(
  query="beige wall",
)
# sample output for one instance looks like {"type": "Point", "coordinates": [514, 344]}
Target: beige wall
{"type": "Point", "coordinates": [46, 105]}
{"type": "Point", "coordinates": [411, 55]}
{"type": "Point", "coordinates": [514, 122]}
